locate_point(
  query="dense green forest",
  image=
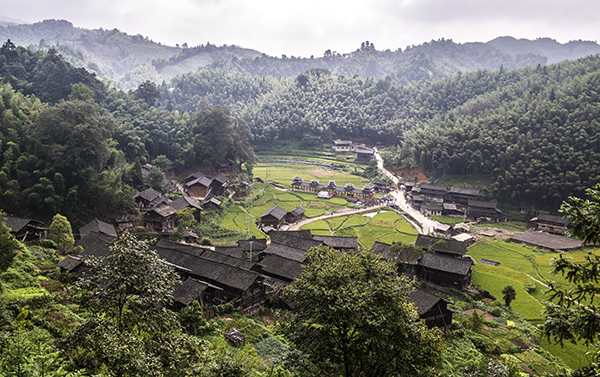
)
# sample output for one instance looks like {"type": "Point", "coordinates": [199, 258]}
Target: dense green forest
{"type": "Point", "coordinates": [532, 129]}
{"type": "Point", "coordinates": [77, 151]}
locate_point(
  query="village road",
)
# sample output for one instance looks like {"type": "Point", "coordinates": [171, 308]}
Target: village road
{"type": "Point", "coordinates": [427, 224]}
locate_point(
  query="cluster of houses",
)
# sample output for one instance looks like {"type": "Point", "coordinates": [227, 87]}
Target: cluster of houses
{"type": "Point", "coordinates": [456, 201]}
{"type": "Point", "coordinates": [363, 154]}
{"type": "Point", "coordinates": [332, 189]}
{"type": "Point", "coordinates": [252, 273]}
{"type": "Point", "coordinates": [159, 211]}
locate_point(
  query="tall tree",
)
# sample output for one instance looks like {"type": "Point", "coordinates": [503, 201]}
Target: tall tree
{"type": "Point", "coordinates": [60, 231]}
{"type": "Point", "coordinates": [131, 286]}
{"type": "Point", "coordinates": [565, 318]}
{"type": "Point", "coordinates": [353, 317]}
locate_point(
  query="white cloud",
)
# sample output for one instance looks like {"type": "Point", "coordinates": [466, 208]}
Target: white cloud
{"type": "Point", "coordinates": [309, 27]}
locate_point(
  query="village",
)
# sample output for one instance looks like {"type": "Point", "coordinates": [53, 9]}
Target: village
{"type": "Point", "coordinates": [252, 273]}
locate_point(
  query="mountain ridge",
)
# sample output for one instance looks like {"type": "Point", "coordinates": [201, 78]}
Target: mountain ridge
{"type": "Point", "coordinates": [128, 60]}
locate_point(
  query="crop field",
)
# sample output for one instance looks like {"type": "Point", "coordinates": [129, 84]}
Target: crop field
{"type": "Point", "coordinates": [517, 261]}
{"type": "Point", "coordinates": [285, 172]}
{"type": "Point", "coordinates": [383, 227]}
{"type": "Point", "coordinates": [235, 217]}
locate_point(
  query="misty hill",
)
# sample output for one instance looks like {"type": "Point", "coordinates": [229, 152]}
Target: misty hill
{"type": "Point", "coordinates": [130, 60]}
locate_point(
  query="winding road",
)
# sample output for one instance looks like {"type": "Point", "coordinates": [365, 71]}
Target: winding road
{"type": "Point", "coordinates": [427, 225]}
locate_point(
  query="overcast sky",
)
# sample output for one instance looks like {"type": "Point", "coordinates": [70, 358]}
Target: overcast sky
{"type": "Point", "coordinates": [309, 27]}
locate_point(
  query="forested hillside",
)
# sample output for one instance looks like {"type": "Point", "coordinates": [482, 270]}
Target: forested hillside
{"type": "Point", "coordinates": [532, 129]}
{"type": "Point", "coordinates": [67, 148]}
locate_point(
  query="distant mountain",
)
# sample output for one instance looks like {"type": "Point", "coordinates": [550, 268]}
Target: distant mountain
{"type": "Point", "coordinates": [127, 60]}
{"type": "Point", "coordinates": [554, 51]}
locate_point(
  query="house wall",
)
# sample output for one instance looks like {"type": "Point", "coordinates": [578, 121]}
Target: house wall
{"type": "Point", "coordinates": [271, 221]}
{"type": "Point", "coordinates": [445, 278]}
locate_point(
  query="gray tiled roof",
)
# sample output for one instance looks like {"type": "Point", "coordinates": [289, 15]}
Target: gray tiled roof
{"type": "Point", "coordinates": [424, 300]}
{"type": "Point", "coordinates": [149, 194]}
{"type": "Point", "coordinates": [441, 245]}
{"type": "Point", "coordinates": [97, 226]}
{"type": "Point", "coordinates": [277, 265]}
{"type": "Point", "coordinates": [188, 291]}
{"type": "Point", "coordinates": [277, 212]}
{"type": "Point", "coordinates": [184, 202]}
{"type": "Point", "coordinates": [338, 242]}
{"type": "Point", "coordinates": [459, 266]}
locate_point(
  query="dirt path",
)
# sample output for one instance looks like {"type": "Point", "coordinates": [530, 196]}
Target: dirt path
{"type": "Point", "coordinates": [342, 212]}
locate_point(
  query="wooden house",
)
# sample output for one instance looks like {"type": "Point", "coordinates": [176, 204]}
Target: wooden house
{"type": "Point", "coordinates": [549, 223]}
{"type": "Point", "coordinates": [443, 246]}
{"type": "Point", "coordinates": [273, 217]}
{"type": "Point", "coordinates": [234, 281]}
{"type": "Point", "coordinates": [227, 166]}
{"type": "Point", "coordinates": [431, 210]}
{"type": "Point", "coordinates": [212, 203]}
{"type": "Point", "coordinates": [451, 209]}
{"type": "Point", "coordinates": [444, 270]}
{"type": "Point", "coordinates": [280, 268]}
{"type": "Point", "coordinates": [25, 229]}
{"type": "Point", "coordinates": [433, 193]}
{"type": "Point", "coordinates": [94, 244]}
{"type": "Point", "coordinates": [99, 227]}
{"type": "Point", "coordinates": [486, 211]}
{"type": "Point", "coordinates": [150, 198]}
{"type": "Point", "coordinates": [199, 187]}
{"type": "Point", "coordinates": [219, 185]}
{"type": "Point", "coordinates": [187, 202]}
{"type": "Point", "coordinates": [461, 195]}
{"type": "Point", "coordinates": [342, 145]}
{"type": "Point", "coordinates": [125, 222]}
{"type": "Point", "coordinates": [295, 215]}
{"type": "Point", "coordinates": [160, 218]}
{"type": "Point", "coordinates": [346, 244]}
{"type": "Point", "coordinates": [364, 155]}
{"type": "Point", "coordinates": [433, 309]}
{"type": "Point", "coordinates": [192, 290]}
{"type": "Point", "coordinates": [381, 186]}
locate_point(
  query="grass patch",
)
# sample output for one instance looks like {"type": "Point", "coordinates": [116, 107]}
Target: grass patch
{"type": "Point", "coordinates": [497, 252]}
{"type": "Point", "coordinates": [524, 303]}
{"type": "Point", "coordinates": [511, 226]}
{"type": "Point", "coordinates": [573, 355]}
{"type": "Point", "coordinates": [447, 219]}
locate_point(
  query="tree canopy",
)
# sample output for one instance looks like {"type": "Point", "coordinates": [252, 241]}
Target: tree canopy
{"type": "Point", "coordinates": [352, 317]}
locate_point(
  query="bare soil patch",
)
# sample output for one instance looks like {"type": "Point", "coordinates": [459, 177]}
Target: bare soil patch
{"type": "Point", "coordinates": [495, 232]}
{"type": "Point", "coordinates": [267, 320]}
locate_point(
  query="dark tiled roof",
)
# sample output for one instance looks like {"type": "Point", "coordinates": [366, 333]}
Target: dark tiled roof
{"type": "Point", "coordinates": [549, 241]}
{"type": "Point", "coordinates": [203, 181]}
{"type": "Point", "coordinates": [18, 223]}
{"type": "Point", "coordinates": [95, 244]}
{"type": "Point", "coordinates": [464, 191]}
{"type": "Point", "coordinates": [98, 226]}
{"type": "Point", "coordinates": [277, 265]}
{"type": "Point", "coordinates": [196, 176]}
{"type": "Point", "coordinates": [149, 194]}
{"type": "Point", "coordinates": [428, 187]}
{"type": "Point", "coordinates": [184, 202]}
{"type": "Point", "coordinates": [164, 211]}
{"type": "Point", "coordinates": [206, 269]}
{"type": "Point", "coordinates": [297, 212]}
{"type": "Point", "coordinates": [443, 263]}
{"type": "Point", "coordinates": [69, 263]}
{"type": "Point", "coordinates": [302, 239]}
{"type": "Point", "coordinates": [382, 249]}
{"type": "Point", "coordinates": [554, 219]}
{"type": "Point", "coordinates": [286, 251]}
{"type": "Point", "coordinates": [257, 245]}
{"type": "Point", "coordinates": [214, 201]}
{"type": "Point", "coordinates": [277, 212]}
{"type": "Point", "coordinates": [338, 242]}
{"type": "Point", "coordinates": [424, 300]}
{"type": "Point", "coordinates": [190, 290]}
{"type": "Point", "coordinates": [441, 245]}
{"type": "Point", "coordinates": [479, 204]}
{"type": "Point", "coordinates": [222, 179]}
